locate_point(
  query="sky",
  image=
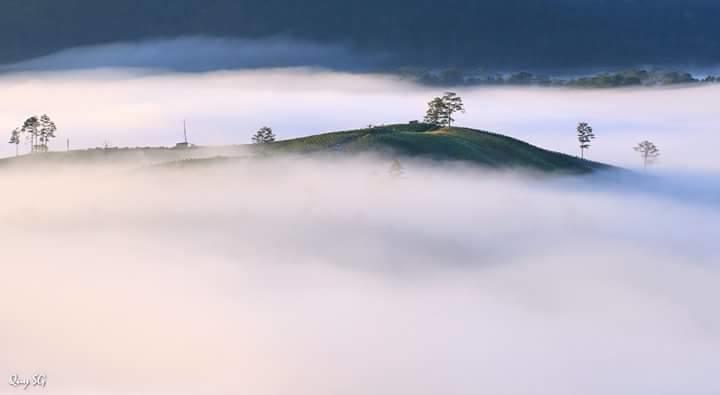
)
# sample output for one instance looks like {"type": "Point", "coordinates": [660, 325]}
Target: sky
{"type": "Point", "coordinates": [498, 34]}
{"type": "Point", "coordinates": [203, 53]}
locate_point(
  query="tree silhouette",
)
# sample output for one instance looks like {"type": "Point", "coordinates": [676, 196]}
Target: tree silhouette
{"type": "Point", "coordinates": [585, 135]}
{"type": "Point", "coordinates": [264, 136]}
{"type": "Point", "coordinates": [15, 139]}
{"type": "Point", "coordinates": [441, 109]}
{"type": "Point", "coordinates": [435, 114]}
{"type": "Point", "coordinates": [31, 127]}
{"type": "Point", "coordinates": [648, 151]}
{"type": "Point", "coordinates": [453, 103]}
{"type": "Point", "coordinates": [39, 131]}
{"type": "Point", "coordinates": [47, 129]}
{"type": "Point", "coordinates": [396, 169]}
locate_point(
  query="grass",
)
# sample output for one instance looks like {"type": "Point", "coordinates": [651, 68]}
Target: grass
{"type": "Point", "coordinates": [456, 144]}
{"type": "Point", "coordinates": [415, 140]}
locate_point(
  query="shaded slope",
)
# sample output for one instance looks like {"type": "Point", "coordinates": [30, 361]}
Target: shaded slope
{"type": "Point", "coordinates": [417, 140]}
{"type": "Point", "coordinates": [457, 144]}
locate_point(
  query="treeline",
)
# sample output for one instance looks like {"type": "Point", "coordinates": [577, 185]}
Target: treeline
{"type": "Point", "coordinates": [37, 130]}
{"type": "Point", "coordinates": [441, 109]}
{"type": "Point", "coordinates": [633, 77]}
{"type": "Point", "coordinates": [466, 33]}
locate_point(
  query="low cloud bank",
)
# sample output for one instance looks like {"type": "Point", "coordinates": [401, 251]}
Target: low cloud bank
{"type": "Point", "coordinates": [199, 54]}
{"type": "Point", "coordinates": [308, 277]}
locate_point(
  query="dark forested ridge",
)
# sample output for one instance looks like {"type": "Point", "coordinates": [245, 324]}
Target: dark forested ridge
{"type": "Point", "coordinates": [460, 33]}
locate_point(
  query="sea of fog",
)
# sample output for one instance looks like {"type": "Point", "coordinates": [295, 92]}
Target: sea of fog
{"type": "Point", "coordinates": [312, 276]}
{"type": "Point", "coordinates": [303, 276]}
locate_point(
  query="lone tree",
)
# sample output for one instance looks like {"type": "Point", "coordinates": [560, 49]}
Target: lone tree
{"type": "Point", "coordinates": [453, 104]}
{"type": "Point", "coordinates": [396, 169]}
{"type": "Point", "coordinates": [46, 132]}
{"type": "Point", "coordinates": [648, 151]}
{"type": "Point", "coordinates": [264, 136]}
{"type": "Point", "coordinates": [15, 139]}
{"type": "Point", "coordinates": [441, 109]}
{"type": "Point", "coordinates": [435, 114]}
{"type": "Point", "coordinates": [585, 135]}
{"type": "Point", "coordinates": [31, 127]}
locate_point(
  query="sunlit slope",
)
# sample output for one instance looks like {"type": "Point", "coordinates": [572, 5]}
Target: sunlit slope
{"type": "Point", "coordinates": [426, 141]}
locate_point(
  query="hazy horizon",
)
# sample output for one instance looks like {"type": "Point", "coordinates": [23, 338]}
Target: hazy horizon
{"type": "Point", "coordinates": [135, 108]}
{"type": "Point", "coordinates": [207, 53]}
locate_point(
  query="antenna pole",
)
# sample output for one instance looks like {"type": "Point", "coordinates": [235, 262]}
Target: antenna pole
{"type": "Point", "coordinates": [185, 130]}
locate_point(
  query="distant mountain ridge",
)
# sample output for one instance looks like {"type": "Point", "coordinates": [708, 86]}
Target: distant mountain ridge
{"type": "Point", "coordinates": [625, 78]}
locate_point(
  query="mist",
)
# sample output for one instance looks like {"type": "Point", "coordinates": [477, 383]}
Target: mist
{"type": "Point", "coordinates": [299, 275]}
{"type": "Point", "coordinates": [322, 276]}
{"type": "Point", "coordinates": [130, 107]}
{"type": "Point", "coordinates": [201, 54]}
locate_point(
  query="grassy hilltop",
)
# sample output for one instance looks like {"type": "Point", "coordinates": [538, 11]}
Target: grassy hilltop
{"type": "Point", "coordinates": [415, 140]}
{"type": "Point", "coordinates": [455, 143]}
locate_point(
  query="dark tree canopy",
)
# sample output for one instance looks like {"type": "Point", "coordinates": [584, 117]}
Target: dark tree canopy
{"type": "Point", "coordinates": [585, 135]}
{"type": "Point", "coordinates": [264, 136]}
{"type": "Point", "coordinates": [648, 151]}
{"type": "Point", "coordinates": [441, 109]}
{"type": "Point", "coordinates": [37, 130]}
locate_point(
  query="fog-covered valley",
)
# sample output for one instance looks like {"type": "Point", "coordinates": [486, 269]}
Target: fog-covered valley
{"type": "Point", "coordinates": [318, 275]}
{"type": "Point", "coordinates": [300, 276]}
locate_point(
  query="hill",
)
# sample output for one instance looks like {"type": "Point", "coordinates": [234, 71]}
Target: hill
{"type": "Point", "coordinates": [456, 144]}
{"type": "Point", "coordinates": [415, 140]}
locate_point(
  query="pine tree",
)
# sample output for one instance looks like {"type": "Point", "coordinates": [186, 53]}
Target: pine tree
{"type": "Point", "coordinates": [441, 109]}
{"type": "Point", "coordinates": [47, 129]}
{"type": "Point", "coordinates": [453, 103]}
{"type": "Point", "coordinates": [32, 128]}
{"type": "Point", "coordinates": [648, 151]}
{"type": "Point", "coordinates": [15, 139]}
{"type": "Point", "coordinates": [585, 135]}
{"type": "Point", "coordinates": [264, 136]}
{"type": "Point", "coordinates": [396, 169]}
{"type": "Point", "coordinates": [435, 114]}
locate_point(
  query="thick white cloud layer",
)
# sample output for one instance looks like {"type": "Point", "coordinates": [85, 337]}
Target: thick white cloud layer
{"type": "Point", "coordinates": [308, 277]}
{"type": "Point", "coordinates": [138, 109]}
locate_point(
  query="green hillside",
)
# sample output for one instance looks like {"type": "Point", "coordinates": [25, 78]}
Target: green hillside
{"type": "Point", "coordinates": [425, 141]}
{"type": "Point", "coordinates": [417, 140]}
